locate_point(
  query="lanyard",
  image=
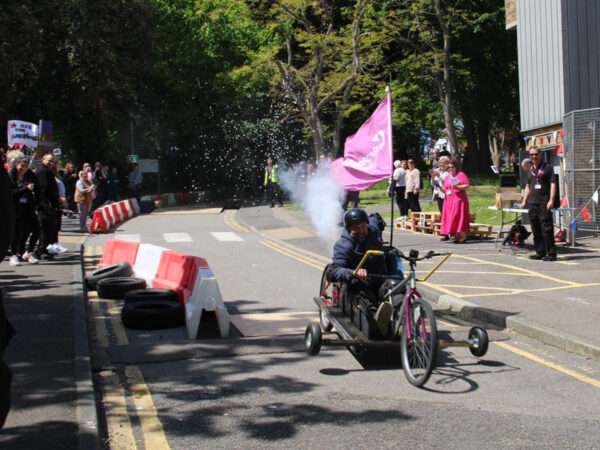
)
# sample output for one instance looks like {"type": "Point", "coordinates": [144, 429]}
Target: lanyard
{"type": "Point", "coordinates": [539, 173]}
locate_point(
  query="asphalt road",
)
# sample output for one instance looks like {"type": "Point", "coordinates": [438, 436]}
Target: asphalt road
{"type": "Point", "coordinates": [161, 390]}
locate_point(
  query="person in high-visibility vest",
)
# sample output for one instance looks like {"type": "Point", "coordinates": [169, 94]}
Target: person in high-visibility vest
{"type": "Point", "coordinates": [272, 182]}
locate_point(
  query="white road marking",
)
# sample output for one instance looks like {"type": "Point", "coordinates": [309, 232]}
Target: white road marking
{"type": "Point", "coordinates": [129, 237]}
{"type": "Point", "coordinates": [177, 237]}
{"type": "Point", "coordinates": [225, 236]}
{"type": "Point", "coordinates": [578, 300]}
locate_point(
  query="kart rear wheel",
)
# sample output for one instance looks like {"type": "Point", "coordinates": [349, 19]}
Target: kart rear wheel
{"type": "Point", "coordinates": [419, 352]}
{"type": "Point", "coordinates": [326, 287]}
{"type": "Point", "coordinates": [324, 321]}
{"type": "Point", "coordinates": [313, 338]}
{"type": "Point", "coordinates": [480, 340]}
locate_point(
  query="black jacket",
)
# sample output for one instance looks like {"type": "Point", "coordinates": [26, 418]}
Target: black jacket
{"type": "Point", "coordinates": [347, 253]}
{"type": "Point", "coordinates": [48, 188]}
{"type": "Point", "coordinates": [7, 209]}
{"type": "Point", "coordinates": [25, 201]}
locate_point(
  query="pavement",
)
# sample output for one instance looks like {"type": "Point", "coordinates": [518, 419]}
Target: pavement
{"type": "Point", "coordinates": [53, 401]}
{"type": "Point", "coordinates": [553, 302]}
{"type": "Point", "coordinates": [53, 395]}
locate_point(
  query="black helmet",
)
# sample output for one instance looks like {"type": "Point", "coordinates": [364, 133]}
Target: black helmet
{"type": "Point", "coordinates": [355, 215]}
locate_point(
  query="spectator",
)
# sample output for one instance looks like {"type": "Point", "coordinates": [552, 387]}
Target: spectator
{"type": "Point", "coordinates": [62, 201]}
{"type": "Point", "coordinates": [271, 182]}
{"type": "Point", "coordinates": [455, 214]}
{"type": "Point", "coordinates": [540, 193]}
{"type": "Point", "coordinates": [350, 197]}
{"type": "Point", "coordinates": [69, 179]}
{"type": "Point", "coordinates": [113, 184]}
{"type": "Point", "coordinates": [135, 182]}
{"type": "Point", "coordinates": [437, 181]}
{"type": "Point", "coordinates": [23, 191]}
{"type": "Point", "coordinates": [310, 171]}
{"type": "Point", "coordinates": [48, 204]}
{"type": "Point", "coordinates": [399, 185]}
{"type": "Point", "coordinates": [413, 186]}
{"type": "Point", "coordinates": [101, 186]}
{"type": "Point", "coordinates": [84, 190]}
{"type": "Point", "coordinates": [435, 163]}
{"type": "Point", "coordinates": [7, 224]}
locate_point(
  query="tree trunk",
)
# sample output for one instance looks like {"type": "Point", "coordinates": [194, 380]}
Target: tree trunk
{"type": "Point", "coordinates": [470, 135]}
{"type": "Point", "coordinates": [445, 84]}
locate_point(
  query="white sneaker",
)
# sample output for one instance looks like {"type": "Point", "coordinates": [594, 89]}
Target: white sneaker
{"type": "Point", "coordinates": [14, 261]}
{"type": "Point", "coordinates": [30, 258]}
{"type": "Point", "coordinates": [60, 248]}
{"type": "Point", "coordinates": [52, 250]}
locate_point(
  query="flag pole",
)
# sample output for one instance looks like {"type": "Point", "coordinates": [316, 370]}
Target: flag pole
{"type": "Point", "coordinates": [391, 150]}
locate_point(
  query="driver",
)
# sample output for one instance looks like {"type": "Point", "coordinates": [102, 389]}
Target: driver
{"type": "Point", "coordinates": [362, 233]}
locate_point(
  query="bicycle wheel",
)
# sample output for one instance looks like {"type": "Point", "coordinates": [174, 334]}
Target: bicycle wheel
{"type": "Point", "coordinates": [420, 351]}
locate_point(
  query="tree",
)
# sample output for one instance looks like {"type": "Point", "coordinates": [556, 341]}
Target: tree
{"type": "Point", "coordinates": [427, 30]}
{"type": "Point", "coordinates": [487, 86]}
{"type": "Point", "coordinates": [319, 60]}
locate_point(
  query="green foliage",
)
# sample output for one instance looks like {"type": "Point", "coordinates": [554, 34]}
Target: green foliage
{"type": "Point", "coordinates": [202, 76]}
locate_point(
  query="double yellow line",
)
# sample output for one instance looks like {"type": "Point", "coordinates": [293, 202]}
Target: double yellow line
{"type": "Point", "coordinates": [106, 316]}
{"type": "Point", "coordinates": [232, 221]}
{"type": "Point", "coordinates": [311, 260]}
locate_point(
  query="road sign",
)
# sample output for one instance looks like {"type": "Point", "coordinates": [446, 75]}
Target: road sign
{"type": "Point", "coordinates": [149, 165]}
{"type": "Point", "coordinates": [133, 159]}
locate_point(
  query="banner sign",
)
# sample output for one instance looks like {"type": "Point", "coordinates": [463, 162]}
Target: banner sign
{"type": "Point", "coordinates": [368, 153]}
{"type": "Point", "coordinates": [23, 133]}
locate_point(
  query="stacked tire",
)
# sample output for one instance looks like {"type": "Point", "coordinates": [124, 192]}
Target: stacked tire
{"type": "Point", "coordinates": [152, 309]}
{"type": "Point", "coordinates": [122, 269]}
{"type": "Point", "coordinates": [143, 309]}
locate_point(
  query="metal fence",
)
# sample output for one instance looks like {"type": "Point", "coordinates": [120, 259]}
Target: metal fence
{"type": "Point", "coordinates": [582, 165]}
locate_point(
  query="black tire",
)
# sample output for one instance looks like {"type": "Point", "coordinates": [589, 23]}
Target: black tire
{"type": "Point", "coordinates": [313, 338]}
{"type": "Point", "coordinates": [481, 341]}
{"type": "Point", "coordinates": [326, 325]}
{"type": "Point", "coordinates": [153, 315]}
{"type": "Point", "coordinates": [420, 352]}
{"type": "Point", "coordinates": [116, 288]}
{"type": "Point", "coordinates": [122, 269]}
{"type": "Point", "coordinates": [141, 295]}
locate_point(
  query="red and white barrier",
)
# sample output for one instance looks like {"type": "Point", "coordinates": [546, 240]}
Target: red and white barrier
{"type": "Point", "coordinates": [116, 251]}
{"type": "Point", "coordinates": [147, 262]}
{"type": "Point", "coordinates": [205, 299]}
{"type": "Point", "coordinates": [189, 276]}
{"type": "Point", "coordinates": [108, 216]}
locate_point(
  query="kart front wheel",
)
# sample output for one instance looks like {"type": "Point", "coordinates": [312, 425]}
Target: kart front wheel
{"type": "Point", "coordinates": [480, 341]}
{"type": "Point", "coordinates": [419, 349]}
{"type": "Point", "coordinates": [313, 338]}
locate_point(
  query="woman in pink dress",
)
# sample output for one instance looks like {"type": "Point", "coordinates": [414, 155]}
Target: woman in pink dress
{"type": "Point", "coordinates": [455, 215]}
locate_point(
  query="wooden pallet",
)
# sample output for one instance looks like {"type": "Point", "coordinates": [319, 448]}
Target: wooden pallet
{"type": "Point", "coordinates": [477, 230]}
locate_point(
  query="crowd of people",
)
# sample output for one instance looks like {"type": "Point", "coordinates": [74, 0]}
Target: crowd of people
{"type": "Point", "coordinates": [43, 192]}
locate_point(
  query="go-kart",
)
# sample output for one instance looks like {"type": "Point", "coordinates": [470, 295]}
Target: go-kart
{"type": "Point", "coordinates": [412, 323]}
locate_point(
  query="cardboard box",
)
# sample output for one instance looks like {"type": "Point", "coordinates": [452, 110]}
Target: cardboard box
{"type": "Point", "coordinates": [505, 196]}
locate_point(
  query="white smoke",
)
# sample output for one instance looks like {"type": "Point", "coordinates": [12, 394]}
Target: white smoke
{"type": "Point", "coordinates": [321, 198]}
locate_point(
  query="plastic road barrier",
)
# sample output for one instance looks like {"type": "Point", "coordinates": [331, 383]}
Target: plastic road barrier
{"type": "Point", "coordinates": [205, 298]}
{"type": "Point", "coordinates": [116, 251]}
{"type": "Point", "coordinates": [177, 271]}
{"type": "Point", "coordinates": [147, 262]}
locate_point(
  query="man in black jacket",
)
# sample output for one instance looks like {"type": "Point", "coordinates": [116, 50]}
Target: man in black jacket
{"type": "Point", "coordinates": [7, 212]}
{"type": "Point", "coordinates": [49, 203]}
{"type": "Point", "coordinates": [362, 233]}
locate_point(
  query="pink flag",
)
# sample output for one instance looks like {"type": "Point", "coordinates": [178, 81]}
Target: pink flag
{"type": "Point", "coordinates": [368, 154]}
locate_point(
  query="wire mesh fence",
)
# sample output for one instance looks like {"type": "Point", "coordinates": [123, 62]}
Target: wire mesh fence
{"type": "Point", "coordinates": [582, 165]}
